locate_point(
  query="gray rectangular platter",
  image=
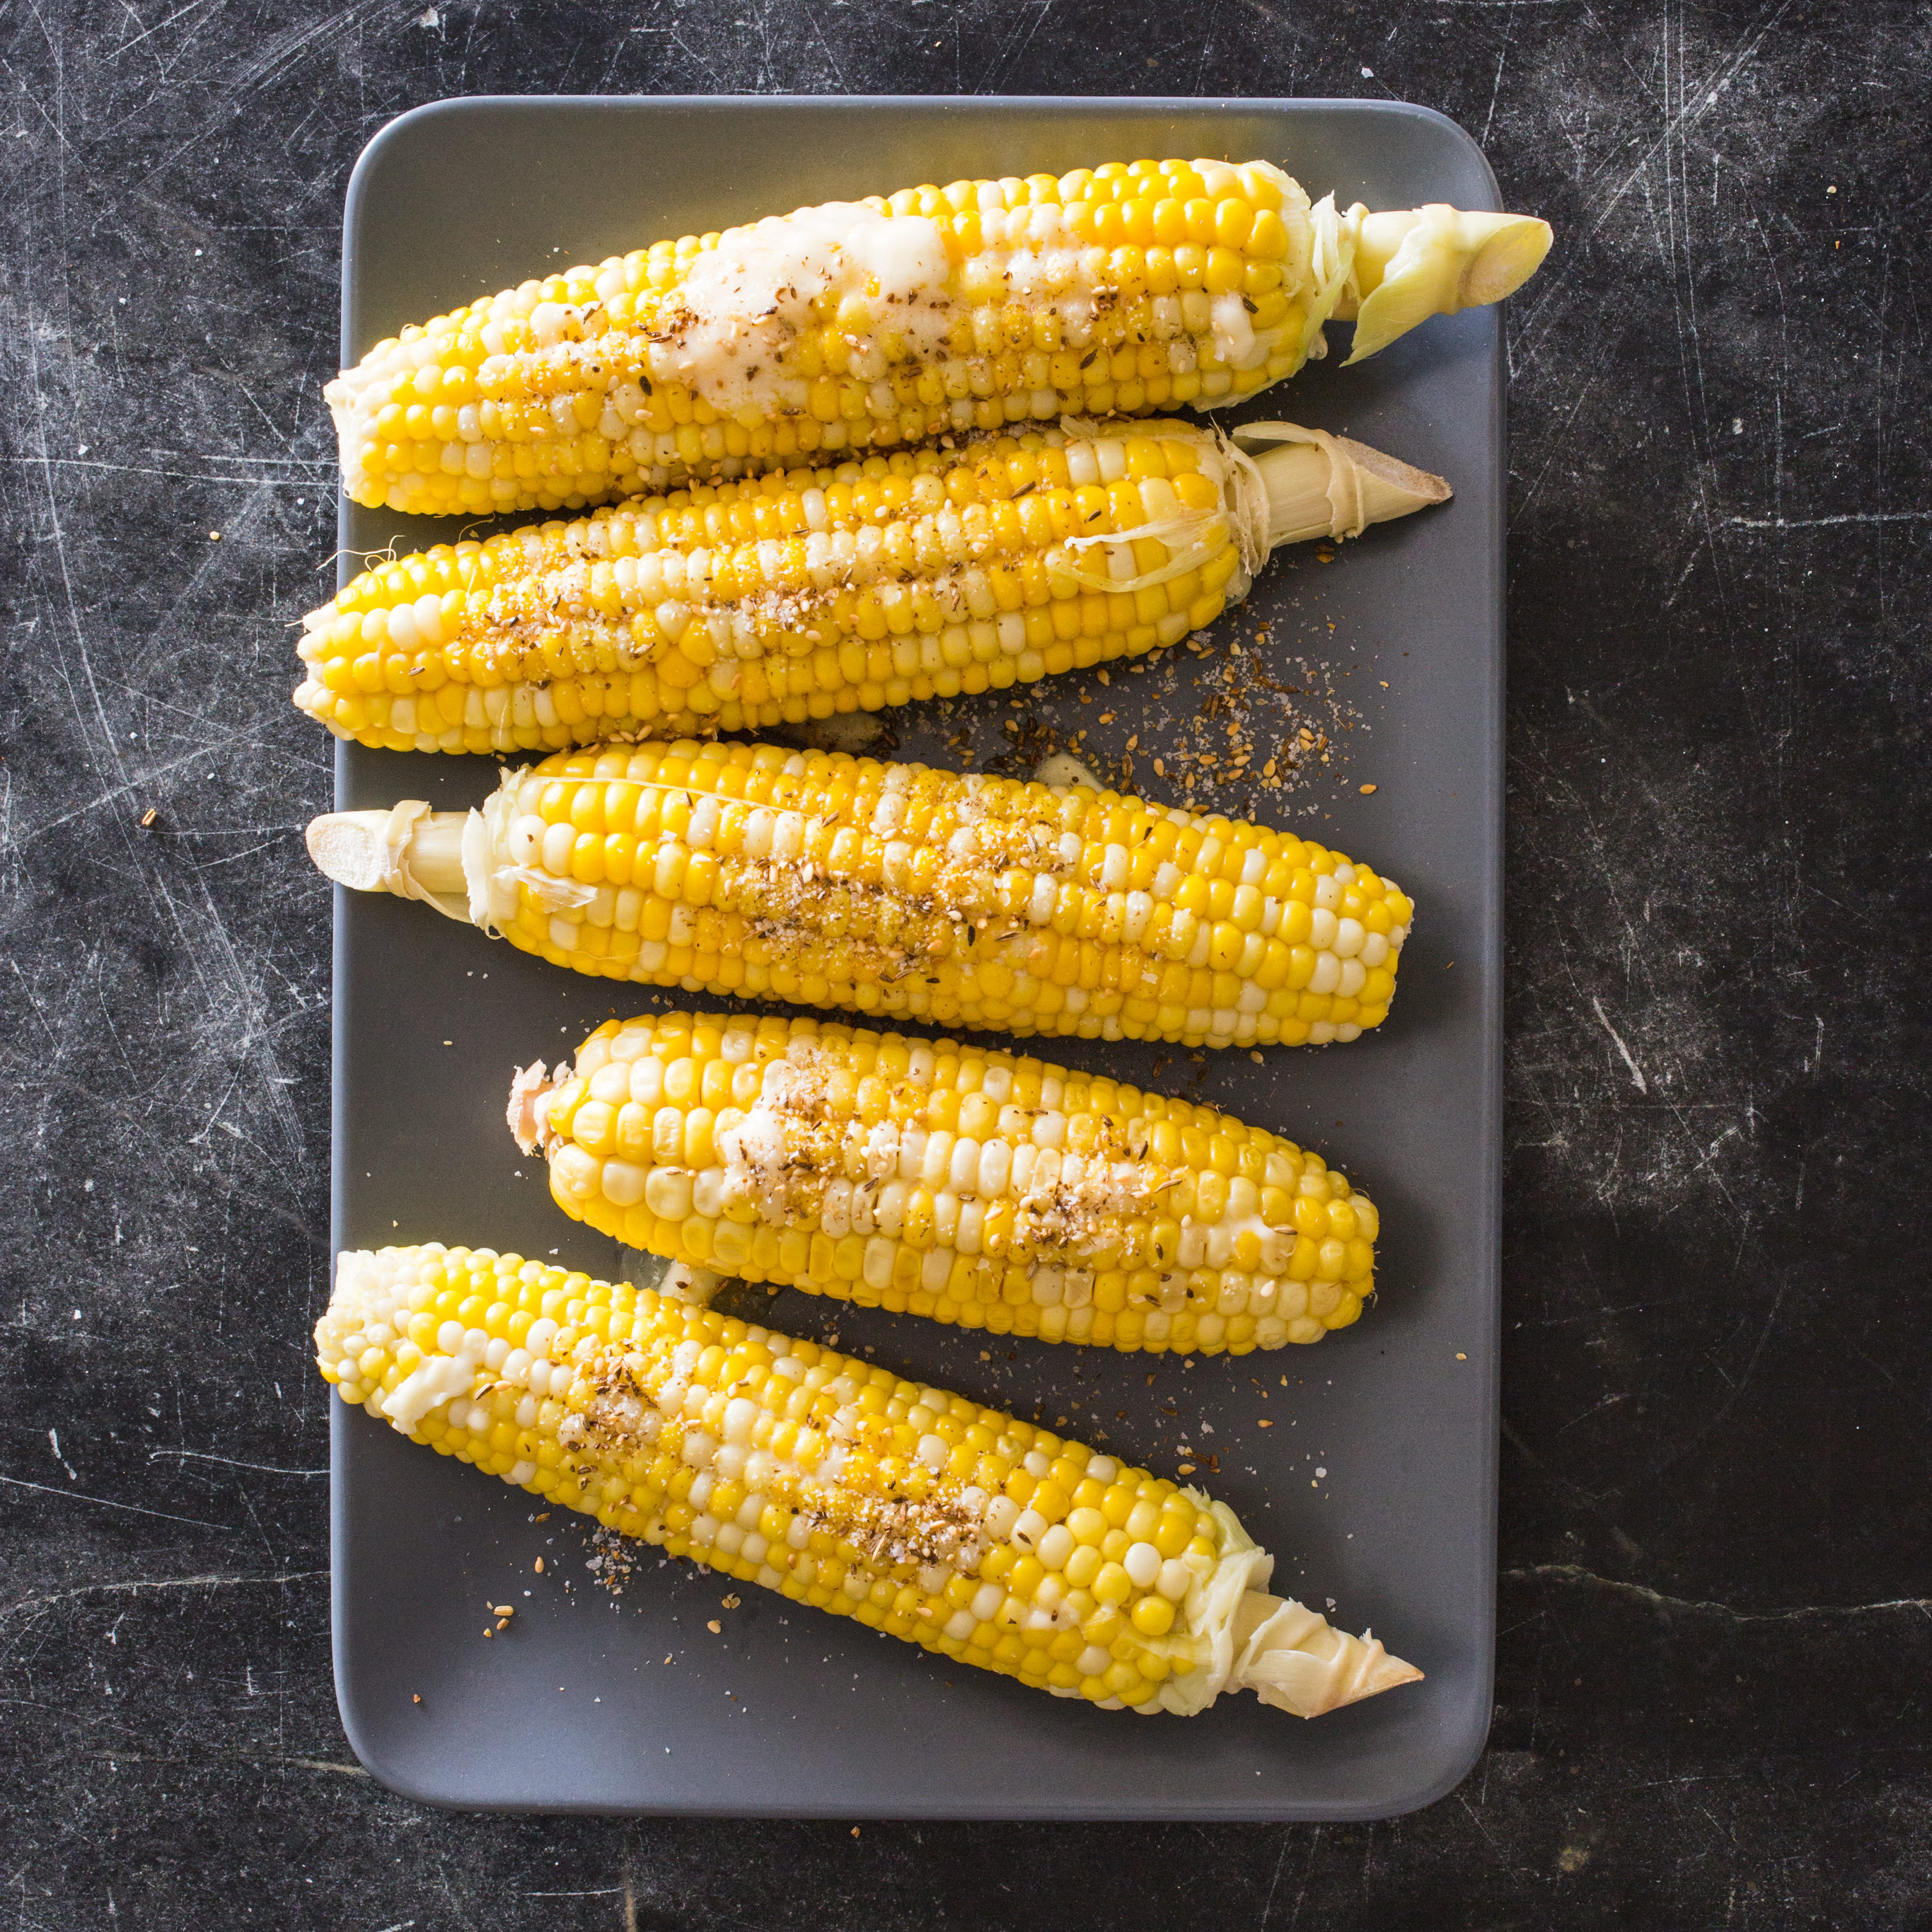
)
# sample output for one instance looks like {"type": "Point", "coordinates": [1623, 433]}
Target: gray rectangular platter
{"type": "Point", "coordinates": [1376, 1485]}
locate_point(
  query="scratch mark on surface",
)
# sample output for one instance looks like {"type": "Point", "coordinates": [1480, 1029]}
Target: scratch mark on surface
{"type": "Point", "coordinates": [1637, 1071]}
{"type": "Point", "coordinates": [1827, 523]}
{"type": "Point", "coordinates": [133, 1586]}
{"type": "Point", "coordinates": [1575, 1574]}
{"type": "Point", "coordinates": [1502, 57]}
{"type": "Point", "coordinates": [202, 1456]}
{"type": "Point", "coordinates": [109, 1502]}
{"type": "Point", "coordinates": [240, 1757]}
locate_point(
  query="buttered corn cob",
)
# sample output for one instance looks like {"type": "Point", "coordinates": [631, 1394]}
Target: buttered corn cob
{"type": "Point", "coordinates": [837, 1483]}
{"type": "Point", "coordinates": [855, 326]}
{"type": "Point", "coordinates": [901, 893]}
{"type": "Point", "coordinates": [792, 597]}
{"type": "Point", "coordinates": [940, 1178]}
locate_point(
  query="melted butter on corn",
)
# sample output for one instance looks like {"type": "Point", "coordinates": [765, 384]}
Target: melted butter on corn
{"type": "Point", "coordinates": [836, 1482]}
{"type": "Point", "coordinates": [728, 332]}
{"type": "Point", "coordinates": [942, 1179]}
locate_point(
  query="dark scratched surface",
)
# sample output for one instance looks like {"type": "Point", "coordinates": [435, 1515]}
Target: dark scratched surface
{"type": "Point", "coordinates": [1716, 1648]}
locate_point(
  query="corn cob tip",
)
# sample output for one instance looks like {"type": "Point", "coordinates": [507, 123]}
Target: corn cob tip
{"type": "Point", "coordinates": [530, 1122]}
{"type": "Point", "coordinates": [409, 850]}
{"type": "Point", "coordinates": [1315, 485]}
{"type": "Point", "coordinates": [1513, 252]}
{"type": "Point", "coordinates": [1435, 260]}
{"type": "Point", "coordinates": [350, 848]}
{"type": "Point", "coordinates": [1294, 1659]}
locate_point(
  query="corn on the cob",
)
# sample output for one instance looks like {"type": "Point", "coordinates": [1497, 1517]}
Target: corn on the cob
{"type": "Point", "coordinates": [855, 326]}
{"type": "Point", "coordinates": [793, 597]}
{"type": "Point", "coordinates": [902, 893]}
{"type": "Point", "coordinates": [940, 1178]}
{"type": "Point", "coordinates": [837, 1483]}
